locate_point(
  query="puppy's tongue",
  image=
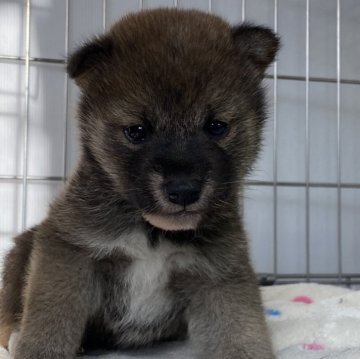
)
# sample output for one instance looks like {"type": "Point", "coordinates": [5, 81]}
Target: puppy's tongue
{"type": "Point", "coordinates": [172, 222]}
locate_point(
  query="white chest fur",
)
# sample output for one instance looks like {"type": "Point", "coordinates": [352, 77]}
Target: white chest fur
{"type": "Point", "coordinates": [147, 278]}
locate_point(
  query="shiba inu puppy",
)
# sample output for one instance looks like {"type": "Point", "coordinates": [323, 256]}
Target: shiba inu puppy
{"type": "Point", "coordinates": [146, 242]}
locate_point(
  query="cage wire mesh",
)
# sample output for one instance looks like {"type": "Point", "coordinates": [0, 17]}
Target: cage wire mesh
{"type": "Point", "coordinates": [302, 202]}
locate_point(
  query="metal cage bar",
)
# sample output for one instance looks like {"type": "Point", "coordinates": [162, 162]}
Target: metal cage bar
{"type": "Point", "coordinates": [66, 89]}
{"type": "Point", "coordinates": [4, 178]}
{"type": "Point", "coordinates": [348, 280]}
{"type": "Point", "coordinates": [243, 5]}
{"type": "Point", "coordinates": [31, 59]}
{"type": "Point", "coordinates": [104, 7]}
{"type": "Point", "coordinates": [49, 61]}
{"type": "Point", "coordinates": [26, 118]}
{"type": "Point", "coordinates": [338, 104]}
{"type": "Point", "coordinates": [307, 142]}
{"type": "Point", "coordinates": [275, 153]}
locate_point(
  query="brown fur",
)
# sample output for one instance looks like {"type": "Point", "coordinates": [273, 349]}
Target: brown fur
{"type": "Point", "coordinates": [98, 272]}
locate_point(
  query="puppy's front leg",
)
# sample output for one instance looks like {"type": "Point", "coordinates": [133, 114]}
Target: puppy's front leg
{"type": "Point", "coordinates": [226, 322]}
{"type": "Point", "coordinates": [56, 302]}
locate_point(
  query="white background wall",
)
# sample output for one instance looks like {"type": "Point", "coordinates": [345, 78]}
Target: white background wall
{"type": "Point", "coordinates": [53, 147]}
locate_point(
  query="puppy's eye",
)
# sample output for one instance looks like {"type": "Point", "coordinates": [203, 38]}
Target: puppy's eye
{"type": "Point", "coordinates": [135, 134]}
{"type": "Point", "coordinates": [216, 128]}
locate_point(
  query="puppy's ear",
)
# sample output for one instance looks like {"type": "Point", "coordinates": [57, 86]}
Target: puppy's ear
{"type": "Point", "coordinates": [259, 43]}
{"type": "Point", "coordinates": [90, 59]}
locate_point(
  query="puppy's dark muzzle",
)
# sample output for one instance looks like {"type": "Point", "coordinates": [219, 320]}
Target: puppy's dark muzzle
{"type": "Point", "coordinates": [183, 191]}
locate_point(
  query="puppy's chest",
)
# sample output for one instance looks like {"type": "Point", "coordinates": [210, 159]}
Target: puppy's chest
{"type": "Point", "coordinates": [141, 295]}
{"type": "Point", "coordinates": [147, 296]}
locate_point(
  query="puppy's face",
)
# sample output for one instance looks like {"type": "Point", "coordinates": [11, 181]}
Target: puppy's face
{"type": "Point", "coordinates": [172, 110]}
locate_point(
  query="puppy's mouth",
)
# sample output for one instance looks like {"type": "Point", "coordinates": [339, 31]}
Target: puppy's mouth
{"type": "Point", "coordinates": [179, 221]}
{"type": "Point", "coordinates": [178, 203]}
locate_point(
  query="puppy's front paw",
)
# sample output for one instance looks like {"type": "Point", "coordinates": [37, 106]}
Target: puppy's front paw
{"type": "Point", "coordinates": [25, 350]}
{"type": "Point", "coordinates": [13, 341]}
{"type": "Point", "coordinates": [4, 354]}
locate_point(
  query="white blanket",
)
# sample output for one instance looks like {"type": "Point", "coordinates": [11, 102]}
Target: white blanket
{"type": "Point", "coordinates": [305, 320]}
{"type": "Point", "coordinates": [313, 321]}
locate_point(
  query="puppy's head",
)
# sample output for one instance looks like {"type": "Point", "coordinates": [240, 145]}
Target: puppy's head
{"type": "Point", "coordinates": [172, 110]}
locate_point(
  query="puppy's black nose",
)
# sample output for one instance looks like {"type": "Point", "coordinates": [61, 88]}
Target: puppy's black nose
{"type": "Point", "coordinates": [183, 191]}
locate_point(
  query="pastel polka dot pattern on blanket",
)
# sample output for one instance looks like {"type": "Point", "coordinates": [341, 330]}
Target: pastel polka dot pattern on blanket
{"type": "Point", "coordinates": [313, 321]}
{"type": "Point", "coordinates": [273, 312]}
{"type": "Point", "coordinates": [302, 299]}
{"type": "Point", "coordinates": [313, 346]}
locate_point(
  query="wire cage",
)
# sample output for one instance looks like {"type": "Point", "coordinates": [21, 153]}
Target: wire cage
{"type": "Point", "coordinates": [302, 202]}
